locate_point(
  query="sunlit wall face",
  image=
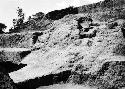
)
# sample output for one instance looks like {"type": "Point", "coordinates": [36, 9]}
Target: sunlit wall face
{"type": "Point", "coordinates": [8, 7]}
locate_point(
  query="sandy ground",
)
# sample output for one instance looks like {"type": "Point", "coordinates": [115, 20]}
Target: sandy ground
{"type": "Point", "coordinates": [65, 86]}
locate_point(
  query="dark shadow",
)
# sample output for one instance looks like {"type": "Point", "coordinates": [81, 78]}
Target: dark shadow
{"type": "Point", "coordinates": [8, 66]}
{"type": "Point", "coordinates": [112, 25]}
{"type": "Point", "coordinates": [24, 54]}
{"type": "Point", "coordinates": [123, 31]}
{"type": "Point", "coordinates": [87, 29]}
{"type": "Point", "coordinates": [81, 36]}
{"type": "Point", "coordinates": [6, 82]}
{"type": "Point", "coordinates": [35, 36]}
{"type": "Point", "coordinates": [94, 24]}
{"type": "Point", "coordinates": [104, 68]}
{"type": "Point", "coordinates": [45, 80]}
{"type": "Point", "coordinates": [58, 14]}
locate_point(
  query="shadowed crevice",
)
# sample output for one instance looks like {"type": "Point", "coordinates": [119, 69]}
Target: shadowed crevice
{"type": "Point", "coordinates": [24, 54]}
{"type": "Point", "coordinates": [35, 36]}
{"type": "Point", "coordinates": [45, 80]}
{"type": "Point", "coordinates": [8, 66]}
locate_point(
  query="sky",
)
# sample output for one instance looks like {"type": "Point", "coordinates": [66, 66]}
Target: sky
{"type": "Point", "coordinates": [8, 8]}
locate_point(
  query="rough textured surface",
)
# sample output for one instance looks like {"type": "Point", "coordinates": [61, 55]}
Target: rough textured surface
{"type": "Point", "coordinates": [9, 40]}
{"type": "Point", "coordinates": [14, 55]}
{"type": "Point", "coordinates": [83, 51]}
{"type": "Point", "coordinates": [65, 86]}
{"type": "Point", "coordinates": [90, 46]}
{"type": "Point", "coordinates": [110, 76]}
{"type": "Point", "coordinates": [5, 81]}
{"type": "Point", "coordinates": [17, 40]}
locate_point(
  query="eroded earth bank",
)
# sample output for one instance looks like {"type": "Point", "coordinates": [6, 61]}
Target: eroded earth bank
{"type": "Point", "coordinates": [78, 51]}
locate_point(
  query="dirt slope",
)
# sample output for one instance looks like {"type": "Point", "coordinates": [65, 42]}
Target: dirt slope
{"type": "Point", "coordinates": [66, 47]}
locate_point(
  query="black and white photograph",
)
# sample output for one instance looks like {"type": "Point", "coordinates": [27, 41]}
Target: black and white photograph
{"type": "Point", "coordinates": [62, 44]}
